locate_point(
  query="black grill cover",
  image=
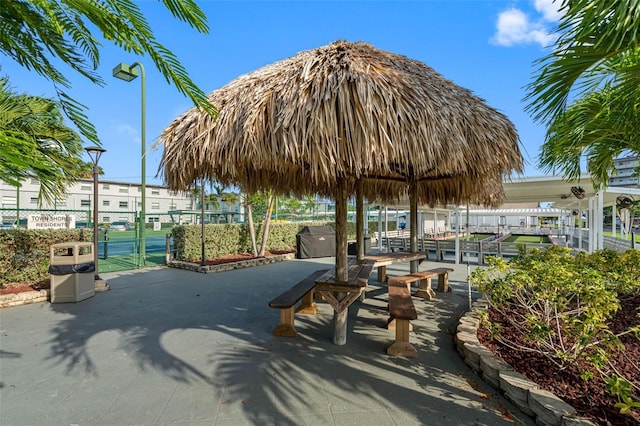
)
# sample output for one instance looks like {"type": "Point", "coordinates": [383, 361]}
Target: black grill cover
{"type": "Point", "coordinates": [316, 241]}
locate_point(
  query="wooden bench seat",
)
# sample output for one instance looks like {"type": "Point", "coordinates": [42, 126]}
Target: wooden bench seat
{"type": "Point", "coordinates": [425, 290]}
{"type": "Point", "coordinates": [401, 310]}
{"type": "Point", "coordinates": [287, 300]}
{"type": "Point", "coordinates": [443, 279]}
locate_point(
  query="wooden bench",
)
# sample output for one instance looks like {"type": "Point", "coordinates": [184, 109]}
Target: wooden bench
{"type": "Point", "coordinates": [401, 310]}
{"type": "Point", "coordinates": [341, 294]}
{"type": "Point", "coordinates": [382, 260]}
{"type": "Point", "coordinates": [397, 244]}
{"type": "Point", "coordinates": [424, 277]}
{"type": "Point", "coordinates": [331, 289]}
{"type": "Point", "coordinates": [287, 300]}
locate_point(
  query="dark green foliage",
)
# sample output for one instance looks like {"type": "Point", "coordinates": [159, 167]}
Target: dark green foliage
{"type": "Point", "coordinates": [24, 254]}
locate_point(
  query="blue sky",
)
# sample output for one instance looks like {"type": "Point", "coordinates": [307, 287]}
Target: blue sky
{"type": "Point", "coordinates": [486, 46]}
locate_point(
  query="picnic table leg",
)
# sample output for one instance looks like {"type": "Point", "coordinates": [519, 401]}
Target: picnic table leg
{"type": "Point", "coordinates": [340, 324]}
{"type": "Point", "coordinates": [382, 273]}
{"type": "Point", "coordinates": [285, 328]}
{"type": "Point", "coordinates": [307, 305]}
{"type": "Point", "coordinates": [443, 283]}
{"type": "Point", "coordinates": [402, 346]}
{"type": "Point", "coordinates": [425, 291]}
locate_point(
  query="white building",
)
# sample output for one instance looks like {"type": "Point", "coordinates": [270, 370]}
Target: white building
{"type": "Point", "coordinates": [118, 201]}
{"type": "Point", "coordinates": [626, 174]}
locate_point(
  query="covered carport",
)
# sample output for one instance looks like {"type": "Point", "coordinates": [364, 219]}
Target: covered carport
{"type": "Point", "coordinates": [573, 197]}
{"type": "Point", "coordinates": [569, 198]}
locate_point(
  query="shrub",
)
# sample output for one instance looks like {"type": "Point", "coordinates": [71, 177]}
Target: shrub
{"type": "Point", "coordinates": [560, 305]}
{"type": "Point", "coordinates": [24, 253]}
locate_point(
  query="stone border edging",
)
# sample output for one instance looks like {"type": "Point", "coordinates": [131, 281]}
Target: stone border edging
{"type": "Point", "coordinates": [230, 266]}
{"type": "Point", "coordinates": [24, 298]}
{"type": "Point", "coordinates": [544, 406]}
{"type": "Point", "coordinates": [39, 296]}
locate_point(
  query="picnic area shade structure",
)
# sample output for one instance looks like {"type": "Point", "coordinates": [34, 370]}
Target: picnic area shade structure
{"type": "Point", "coordinates": [346, 119]}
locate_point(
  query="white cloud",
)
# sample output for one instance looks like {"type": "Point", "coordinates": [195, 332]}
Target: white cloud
{"type": "Point", "coordinates": [128, 130]}
{"type": "Point", "coordinates": [514, 26]}
{"type": "Point", "coordinates": [548, 9]}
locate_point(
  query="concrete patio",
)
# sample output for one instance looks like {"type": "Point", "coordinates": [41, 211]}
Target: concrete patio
{"type": "Point", "coordinates": [167, 346]}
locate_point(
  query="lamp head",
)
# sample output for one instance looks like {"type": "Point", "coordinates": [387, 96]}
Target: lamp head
{"type": "Point", "coordinates": [94, 153]}
{"type": "Point", "coordinates": [125, 72]}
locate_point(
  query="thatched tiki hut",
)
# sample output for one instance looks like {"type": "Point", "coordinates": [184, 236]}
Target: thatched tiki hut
{"type": "Point", "coordinates": [347, 119]}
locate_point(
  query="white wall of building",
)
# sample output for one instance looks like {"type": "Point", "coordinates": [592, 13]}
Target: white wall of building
{"type": "Point", "coordinates": [117, 200]}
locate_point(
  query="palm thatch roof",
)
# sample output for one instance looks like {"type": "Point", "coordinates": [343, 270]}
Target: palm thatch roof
{"type": "Point", "coordinates": [341, 113]}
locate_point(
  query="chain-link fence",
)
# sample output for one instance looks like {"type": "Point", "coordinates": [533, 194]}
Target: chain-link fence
{"type": "Point", "coordinates": [119, 234]}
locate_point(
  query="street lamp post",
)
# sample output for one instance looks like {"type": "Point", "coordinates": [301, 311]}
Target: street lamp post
{"type": "Point", "coordinates": [94, 153]}
{"type": "Point", "coordinates": [127, 73]}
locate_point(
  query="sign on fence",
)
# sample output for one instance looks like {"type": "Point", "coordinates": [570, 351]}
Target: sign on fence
{"type": "Point", "coordinates": [51, 221]}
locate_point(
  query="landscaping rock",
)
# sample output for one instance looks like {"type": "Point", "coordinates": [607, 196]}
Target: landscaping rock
{"type": "Point", "coordinates": [516, 389]}
{"type": "Point", "coordinates": [548, 408]}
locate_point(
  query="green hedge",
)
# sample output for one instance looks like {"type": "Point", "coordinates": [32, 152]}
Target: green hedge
{"type": "Point", "coordinates": [234, 238]}
{"type": "Point", "coordinates": [24, 253]}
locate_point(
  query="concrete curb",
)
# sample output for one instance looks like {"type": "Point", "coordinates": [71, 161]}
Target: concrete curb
{"type": "Point", "coordinates": [545, 407]}
{"type": "Point", "coordinates": [230, 266]}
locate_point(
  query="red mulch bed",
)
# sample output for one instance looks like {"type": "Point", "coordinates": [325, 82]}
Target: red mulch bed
{"type": "Point", "coordinates": [230, 258]}
{"type": "Point", "coordinates": [14, 288]}
{"type": "Point", "coordinates": [589, 398]}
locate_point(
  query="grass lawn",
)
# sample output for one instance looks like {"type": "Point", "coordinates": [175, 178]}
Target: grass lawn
{"type": "Point", "coordinates": [478, 237]}
{"type": "Point", "coordinates": [528, 239]}
{"type": "Point", "coordinates": [626, 237]}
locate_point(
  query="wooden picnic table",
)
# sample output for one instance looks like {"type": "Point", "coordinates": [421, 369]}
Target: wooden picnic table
{"type": "Point", "coordinates": [382, 260]}
{"type": "Point", "coordinates": [341, 294]}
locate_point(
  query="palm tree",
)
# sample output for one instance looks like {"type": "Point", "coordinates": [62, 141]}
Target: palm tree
{"type": "Point", "coordinates": [309, 203]}
{"type": "Point", "coordinates": [40, 34]}
{"type": "Point", "coordinates": [600, 127]}
{"type": "Point", "coordinates": [594, 60]}
{"type": "Point", "coordinates": [35, 143]}
{"type": "Point", "coordinates": [229, 198]}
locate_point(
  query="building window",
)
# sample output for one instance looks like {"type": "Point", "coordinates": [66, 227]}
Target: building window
{"type": "Point", "coordinates": [173, 193]}
{"type": "Point", "coordinates": [172, 206]}
{"type": "Point", "coordinates": [9, 202]}
{"type": "Point", "coordinates": [85, 187]}
{"type": "Point", "coordinates": [139, 189]}
{"type": "Point", "coordinates": [106, 219]}
{"type": "Point", "coordinates": [35, 181]}
{"type": "Point", "coordinates": [85, 203]}
{"type": "Point", "coordinates": [155, 192]}
{"type": "Point", "coordinates": [123, 204]}
{"type": "Point", "coordinates": [106, 203]}
{"type": "Point", "coordinates": [33, 200]}
{"type": "Point", "coordinates": [152, 219]}
{"type": "Point", "coordinates": [105, 186]}
{"type": "Point", "coordinates": [155, 206]}
{"type": "Point", "coordinates": [61, 203]}
{"type": "Point", "coordinates": [123, 190]}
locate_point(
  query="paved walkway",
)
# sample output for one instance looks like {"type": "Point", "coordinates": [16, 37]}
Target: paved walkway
{"type": "Point", "coordinates": [169, 346]}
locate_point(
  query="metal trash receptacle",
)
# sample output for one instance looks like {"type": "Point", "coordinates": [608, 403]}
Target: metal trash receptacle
{"type": "Point", "coordinates": [352, 248]}
{"type": "Point", "coordinates": [72, 268]}
{"type": "Point", "coordinates": [315, 241]}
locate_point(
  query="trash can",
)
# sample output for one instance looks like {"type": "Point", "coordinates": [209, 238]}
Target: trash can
{"type": "Point", "coordinates": [352, 248]}
{"type": "Point", "coordinates": [315, 241]}
{"type": "Point", "coordinates": [72, 268]}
